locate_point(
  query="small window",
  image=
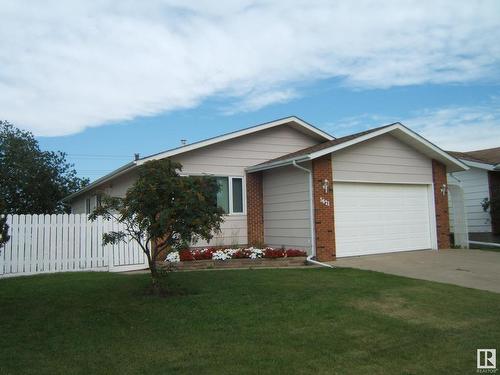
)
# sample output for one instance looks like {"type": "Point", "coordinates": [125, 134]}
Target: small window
{"type": "Point", "coordinates": [223, 194]}
{"type": "Point", "coordinates": [230, 195]}
{"type": "Point", "coordinates": [237, 195]}
{"type": "Point", "coordinates": [98, 200]}
{"type": "Point", "coordinates": [87, 206]}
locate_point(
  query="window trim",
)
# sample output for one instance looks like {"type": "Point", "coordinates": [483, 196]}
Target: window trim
{"type": "Point", "coordinates": [243, 196]}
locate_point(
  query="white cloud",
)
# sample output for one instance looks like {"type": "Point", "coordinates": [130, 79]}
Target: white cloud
{"type": "Point", "coordinates": [451, 128]}
{"type": "Point", "coordinates": [68, 65]}
{"type": "Point", "coordinates": [257, 100]}
{"type": "Point", "coordinates": [460, 128]}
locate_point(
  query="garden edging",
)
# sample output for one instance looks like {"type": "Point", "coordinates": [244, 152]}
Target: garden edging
{"type": "Point", "coordinates": [235, 263]}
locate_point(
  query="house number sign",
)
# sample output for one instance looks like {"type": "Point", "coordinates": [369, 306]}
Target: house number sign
{"type": "Point", "coordinates": [324, 201]}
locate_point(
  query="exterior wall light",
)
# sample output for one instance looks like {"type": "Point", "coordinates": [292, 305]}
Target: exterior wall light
{"type": "Point", "coordinates": [325, 185]}
{"type": "Point", "coordinates": [444, 189]}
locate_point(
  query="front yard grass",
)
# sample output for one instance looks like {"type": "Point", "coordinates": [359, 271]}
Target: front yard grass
{"type": "Point", "coordinates": [340, 321]}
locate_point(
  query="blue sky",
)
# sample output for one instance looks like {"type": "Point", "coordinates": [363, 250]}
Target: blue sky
{"type": "Point", "coordinates": [338, 111]}
{"type": "Point", "coordinates": [102, 81]}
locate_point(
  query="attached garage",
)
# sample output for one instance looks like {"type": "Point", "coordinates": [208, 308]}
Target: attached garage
{"type": "Point", "coordinates": [383, 203]}
{"type": "Point", "coordinates": [375, 218]}
{"type": "Point", "coordinates": [379, 191]}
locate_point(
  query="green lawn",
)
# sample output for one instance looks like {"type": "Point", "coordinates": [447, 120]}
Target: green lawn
{"type": "Point", "coordinates": [338, 321]}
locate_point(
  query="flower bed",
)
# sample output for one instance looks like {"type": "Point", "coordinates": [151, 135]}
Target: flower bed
{"type": "Point", "coordinates": [234, 258]}
{"type": "Point", "coordinates": [226, 254]}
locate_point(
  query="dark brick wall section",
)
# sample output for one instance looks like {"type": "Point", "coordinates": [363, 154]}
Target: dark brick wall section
{"type": "Point", "coordinates": [441, 205]}
{"type": "Point", "coordinates": [255, 209]}
{"type": "Point", "coordinates": [494, 182]}
{"type": "Point", "coordinates": [323, 208]}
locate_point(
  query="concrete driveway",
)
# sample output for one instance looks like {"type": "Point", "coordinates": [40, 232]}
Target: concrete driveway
{"type": "Point", "coordinates": [470, 268]}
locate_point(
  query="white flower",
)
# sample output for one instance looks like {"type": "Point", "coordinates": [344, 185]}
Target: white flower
{"type": "Point", "coordinates": [220, 255]}
{"type": "Point", "coordinates": [255, 253]}
{"type": "Point", "coordinates": [231, 252]}
{"type": "Point", "coordinates": [173, 257]}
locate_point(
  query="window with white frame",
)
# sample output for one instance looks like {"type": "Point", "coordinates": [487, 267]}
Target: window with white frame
{"type": "Point", "coordinates": [231, 196]}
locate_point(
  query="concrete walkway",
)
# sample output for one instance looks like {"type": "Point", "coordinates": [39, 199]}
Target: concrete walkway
{"type": "Point", "coordinates": [470, 268]}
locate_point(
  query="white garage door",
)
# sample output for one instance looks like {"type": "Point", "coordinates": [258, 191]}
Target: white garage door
{"type": "Point", "coordinates": [380, 218]}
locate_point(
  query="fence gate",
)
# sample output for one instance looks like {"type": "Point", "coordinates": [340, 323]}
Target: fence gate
{"type": "Point", "coordinates": [64, 243]}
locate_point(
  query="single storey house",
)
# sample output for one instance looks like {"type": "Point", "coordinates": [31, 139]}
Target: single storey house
{"type": "Point", "coordinates": [288, 183]}
{"type": "Point", "coordinates": [480, 182]}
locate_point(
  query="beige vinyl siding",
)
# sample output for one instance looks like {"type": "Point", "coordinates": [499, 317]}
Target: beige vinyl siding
{"type": "Point", "coordinates": [116, 188]}
{"type": "Point", "coordinates": [383, 159]}
{"type": "Point", "coordinates": [78, 205]}
{"type": "Point", "coordinates": [229, 158]}
{"type": "Point", "coordinates": [475, 185]}
{"type": "Point", "coordinates": [233, 233]}
{"type": "Point", "coordinates": [286, 208]}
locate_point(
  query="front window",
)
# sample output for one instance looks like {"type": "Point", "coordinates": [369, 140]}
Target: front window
{"type": "Point", "coordinates": [230, 195]}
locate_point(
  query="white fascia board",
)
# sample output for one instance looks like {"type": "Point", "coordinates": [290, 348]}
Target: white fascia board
{"type": "Point", "coordinates": [475, 164]}
{"type": "Point", "coordinates": [277, 164]}
{"type": "Point", "coordinates": [389, 129]}
{"type": "Point", "coordinates": [236, 134]}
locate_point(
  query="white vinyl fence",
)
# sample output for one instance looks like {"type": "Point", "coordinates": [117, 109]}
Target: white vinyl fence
{"type": "Point", "coordinates": [64, 243]}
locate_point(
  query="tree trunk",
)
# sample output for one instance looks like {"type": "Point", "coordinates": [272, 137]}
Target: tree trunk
{"type": "Point", "coordinates": [157, 284]}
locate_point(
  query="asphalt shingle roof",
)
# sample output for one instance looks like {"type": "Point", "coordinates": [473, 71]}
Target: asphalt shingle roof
{"type": "Point", "coordinates": [489, 155]}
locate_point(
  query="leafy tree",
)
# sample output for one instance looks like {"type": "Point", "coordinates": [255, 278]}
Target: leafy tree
{"type": "Point", "coordinates": [163, 211]}
{"type": "Point", "coordinates": [33, 181]}
{"type": "Point", "coordinates": [4, 228]}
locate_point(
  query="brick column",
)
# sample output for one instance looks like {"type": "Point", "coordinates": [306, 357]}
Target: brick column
{"type": "Point", "coordinates": [494, 182]}
{"type": "Point", "coordinates": [323, 208]}
{"type": "Point", "coordinates": [441, 205]}
{"type": "Point", "coordinates": [255, 209]}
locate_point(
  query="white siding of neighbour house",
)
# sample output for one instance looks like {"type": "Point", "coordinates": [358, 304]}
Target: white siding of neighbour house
{"type": "Point", "coordinates": [384, 159]}
{"type": "Point", "coordinates": [287, 208]}
{"type": "Point", "coordinates": [229, 158]}
{"type": "Point", "coordinates": [474, 183]}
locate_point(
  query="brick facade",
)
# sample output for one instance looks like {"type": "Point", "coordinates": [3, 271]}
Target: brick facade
{"type": "Point", "coordinates": [494, 182]}
{"type": "Point", "coordinates": [441, 205]}
{"type": "Point", "coordinates": [323, 208]}
{"type": "Point", "coordinates": [255, 209]}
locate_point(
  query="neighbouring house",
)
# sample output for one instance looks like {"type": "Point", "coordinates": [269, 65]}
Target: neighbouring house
{"type": "Point", "coordinates": [480, 182]}
{"type": "Point", "coordinates": [288, 183]}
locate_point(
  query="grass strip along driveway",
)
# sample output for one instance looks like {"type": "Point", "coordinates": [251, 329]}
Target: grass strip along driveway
{"type": "Point", "coordinates": [341, 321]}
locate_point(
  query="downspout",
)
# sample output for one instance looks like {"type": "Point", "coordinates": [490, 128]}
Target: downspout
{"type": "Point", "coordinates": [311, 214]}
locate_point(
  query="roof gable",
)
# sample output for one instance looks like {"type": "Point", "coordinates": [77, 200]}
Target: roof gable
{"type": "Point", "coordinates": [396, 129]}
{"type": "Point", "coordinates": [292, 121]}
